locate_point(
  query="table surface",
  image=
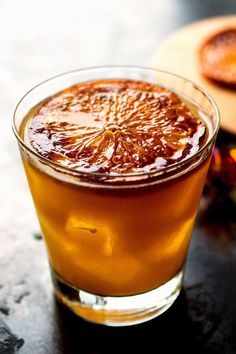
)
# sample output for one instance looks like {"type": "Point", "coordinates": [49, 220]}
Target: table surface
{"type": "Point", "coordinates": [39, 40]}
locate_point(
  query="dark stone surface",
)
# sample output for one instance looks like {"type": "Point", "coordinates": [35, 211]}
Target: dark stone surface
{"type": "Point", "coordinates": [9, 343]}
{"type": "Point", "coordinates": [37, 41]}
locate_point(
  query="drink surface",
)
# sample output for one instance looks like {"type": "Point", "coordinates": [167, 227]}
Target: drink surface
{"type": "Point", "coordinates": [115, 127]}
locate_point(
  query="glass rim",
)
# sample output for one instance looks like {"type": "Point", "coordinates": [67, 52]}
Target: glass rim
{"type": "Point", "coordinates": [80, 173]}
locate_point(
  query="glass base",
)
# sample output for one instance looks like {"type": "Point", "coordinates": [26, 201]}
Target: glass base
{"type": "Point", "coordinates": [120, 310]}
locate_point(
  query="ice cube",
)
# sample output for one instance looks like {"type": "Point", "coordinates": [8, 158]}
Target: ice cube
{"type": "Point", "coordinates": [90, 236]}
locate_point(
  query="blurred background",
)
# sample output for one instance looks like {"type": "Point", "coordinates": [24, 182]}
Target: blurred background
{"type": "Point", "coordinates": [40, 39]}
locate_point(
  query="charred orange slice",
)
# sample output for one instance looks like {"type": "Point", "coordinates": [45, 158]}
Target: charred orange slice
{"type": "Point", "coordinates": [217, 57]}
{"type": "Point", "coordinates": [115, 126]}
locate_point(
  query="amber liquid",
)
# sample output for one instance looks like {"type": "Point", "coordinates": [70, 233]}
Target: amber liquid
{"type": "Point", "coordinates": [116, 241]}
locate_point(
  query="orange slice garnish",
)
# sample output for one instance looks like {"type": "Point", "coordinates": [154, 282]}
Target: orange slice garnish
{"type": "Point", "coordinates": [115, 126]}
{"type": "Point", "coordinates": [217, 57]}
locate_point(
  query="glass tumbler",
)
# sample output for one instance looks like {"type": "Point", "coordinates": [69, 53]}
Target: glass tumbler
{"type": "Point", "coordinates": [116, 248]}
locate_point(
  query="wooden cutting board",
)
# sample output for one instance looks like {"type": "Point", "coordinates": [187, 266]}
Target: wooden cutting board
{"type": "Point", "coordinates": [179, 54]}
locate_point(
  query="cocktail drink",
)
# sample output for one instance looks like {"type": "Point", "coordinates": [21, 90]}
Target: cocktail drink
{"type": "Point", "coordinates": [116, 159]}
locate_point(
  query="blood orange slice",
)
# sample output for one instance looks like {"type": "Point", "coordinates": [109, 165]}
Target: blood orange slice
{"type": "Point", "coordinates": [115, 126]}
{"type": "Point", "coordinates": [218, 57]}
